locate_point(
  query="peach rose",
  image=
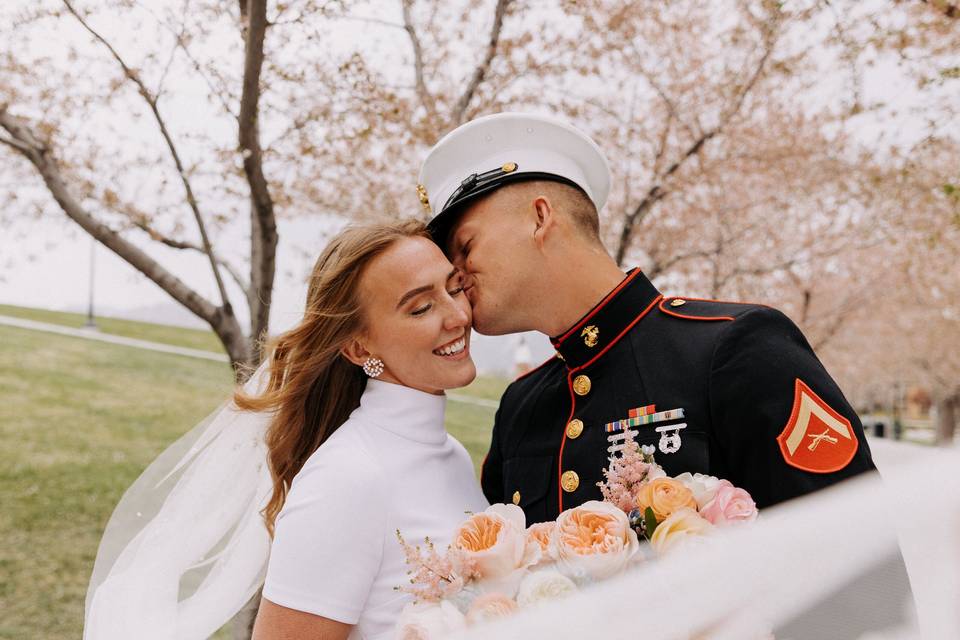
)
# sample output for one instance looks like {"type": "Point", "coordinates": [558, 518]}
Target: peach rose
{"type": "Point", "coordinates": [489, 607]}
{"type": "Point", "coordinates": [664, 496]}
{"type": "Point", "coordinates": [730, 505]}
{"type": "Point", "coordinates": [540, 534]}
{"type": "Point", "coordinates": [494, 543]}
{"type": "Point", "coordinates": [593, 541]}
{"type": "Point", "coordinates": [425, 621]}
{"type": "Point", "coordinates": [681, 527]}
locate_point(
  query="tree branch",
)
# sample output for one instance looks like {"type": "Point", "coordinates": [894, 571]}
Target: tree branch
{"type": "Point", "coordinates": [949, 9]}
{"type": "Point", "coordinates": [39, 155]}
{"type": "Point", "coordinates": [16, 144]}
{"type": "Point", "coordinates": [655, 194]}
{"type": "Point", "coordinates": [263, 222]}
{"type": "Point", "coordinates": [151, 100]}
{"type": "Point", "coordinates": [425, 98]}
{"type": "Point", "coordinates": [480, 72]}
{"type": "Point", "coordinates": [658, 191]}
{"type": "Point", "coordinates": [173, 243]}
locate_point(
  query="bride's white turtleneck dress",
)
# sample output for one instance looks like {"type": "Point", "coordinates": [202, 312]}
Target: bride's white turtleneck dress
{"type": "Point", "coordinates": [390, 466]}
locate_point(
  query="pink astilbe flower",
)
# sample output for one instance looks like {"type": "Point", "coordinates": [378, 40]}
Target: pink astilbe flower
{"type": "Point", "coordinates": [626, 473]}
{"type": "Point", "coordinates": [434, 575]}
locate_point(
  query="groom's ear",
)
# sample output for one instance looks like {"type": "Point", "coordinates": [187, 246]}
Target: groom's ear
{"type": "Point", "coordinates": [546, 219]}
{"type": "Point", "coordinates": [355, 352]}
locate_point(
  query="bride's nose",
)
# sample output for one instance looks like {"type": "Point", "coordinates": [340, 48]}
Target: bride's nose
{"type": "Point", "coordinates": [457, 315]}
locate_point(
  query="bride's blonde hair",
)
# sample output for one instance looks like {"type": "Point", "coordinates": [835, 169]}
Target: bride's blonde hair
{"type": "Point", "coordinates": [312, 388]}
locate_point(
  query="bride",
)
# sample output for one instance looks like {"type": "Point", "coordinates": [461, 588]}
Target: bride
{"type": "Point", "coordinates": [348, 414]}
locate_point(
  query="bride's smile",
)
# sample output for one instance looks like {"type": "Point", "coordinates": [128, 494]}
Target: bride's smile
{"type": "Point", "coordinates": [456, 349]}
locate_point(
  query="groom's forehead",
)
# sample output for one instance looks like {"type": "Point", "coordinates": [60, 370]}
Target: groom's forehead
{"type": "Point", "coordinates": [485, 154]}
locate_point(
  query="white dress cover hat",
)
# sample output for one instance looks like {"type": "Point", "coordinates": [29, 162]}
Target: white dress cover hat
{"type": "Point", "coordinates": [486, 153]}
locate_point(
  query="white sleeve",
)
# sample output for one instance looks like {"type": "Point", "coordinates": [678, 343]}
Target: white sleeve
{"type": "Point", "coordinates": [329, 537]}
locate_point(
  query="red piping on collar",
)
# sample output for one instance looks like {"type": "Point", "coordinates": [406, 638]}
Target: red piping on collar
{"type": "Point", "coordinates": [619, 335]}
{"type": "Point", "coordinates": [573, 398]}
{"type": "Point", "coordinates": [597, 308]}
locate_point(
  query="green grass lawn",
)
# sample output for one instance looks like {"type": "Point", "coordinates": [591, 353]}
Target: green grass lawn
{"type": "Point", "coordinates": [79, 421]}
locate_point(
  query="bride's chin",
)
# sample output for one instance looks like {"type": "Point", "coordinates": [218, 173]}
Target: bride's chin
{"type": "Point", "coordinates": [468, 375]}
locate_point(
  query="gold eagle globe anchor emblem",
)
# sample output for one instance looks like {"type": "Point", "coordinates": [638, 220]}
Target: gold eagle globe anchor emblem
{"type": "Point", "coordinates": [424, 199]}
{"type": "Point", "coordinates": [590, 335]}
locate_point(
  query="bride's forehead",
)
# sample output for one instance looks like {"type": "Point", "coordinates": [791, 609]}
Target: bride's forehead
{"type": "Point", "coordinates": [411, 261]}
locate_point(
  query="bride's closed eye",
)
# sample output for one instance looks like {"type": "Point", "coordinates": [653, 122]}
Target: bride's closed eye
{"type": "Point", "coordinates": [457, 290]}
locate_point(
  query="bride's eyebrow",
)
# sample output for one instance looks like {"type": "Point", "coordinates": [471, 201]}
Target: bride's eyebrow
{"type": "Point", "coordinates": [427, 287]}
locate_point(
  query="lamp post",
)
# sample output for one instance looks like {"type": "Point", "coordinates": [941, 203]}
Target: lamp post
{"type": "Point", "coordinates": [91, 324]}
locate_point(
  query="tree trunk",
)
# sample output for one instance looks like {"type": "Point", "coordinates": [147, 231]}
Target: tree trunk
{"type": "Point", "coordinates": [946, 426]}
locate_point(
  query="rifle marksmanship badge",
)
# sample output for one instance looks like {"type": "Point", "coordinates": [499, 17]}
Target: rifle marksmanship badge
{"type": "Point", "coordinates": [622, 431]}
{"type": "Point", "coordinates": [816, 438]}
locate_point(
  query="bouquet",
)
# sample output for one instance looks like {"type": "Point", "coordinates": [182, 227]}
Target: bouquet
{"type": "Point", "coordinates": [496, 564]}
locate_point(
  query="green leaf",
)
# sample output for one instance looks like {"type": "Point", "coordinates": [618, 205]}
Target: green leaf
{"type": "Point", "coordinates": [649, 522]}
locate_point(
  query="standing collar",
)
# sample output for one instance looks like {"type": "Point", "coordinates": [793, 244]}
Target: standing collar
{"type": "Point", "coordinates": [603, 325]}
{"type": "Point", "coordinates": [408, 413]}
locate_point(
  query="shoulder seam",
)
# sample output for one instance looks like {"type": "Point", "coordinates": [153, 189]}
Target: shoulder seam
{"type": "Point", "coordinates": [687, 317]}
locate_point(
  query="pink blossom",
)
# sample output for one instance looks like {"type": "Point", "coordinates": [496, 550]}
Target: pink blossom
{"type": "Point", "coordinates": [434, 575]}
{"type": "Point", "coordinates": [623, 479]}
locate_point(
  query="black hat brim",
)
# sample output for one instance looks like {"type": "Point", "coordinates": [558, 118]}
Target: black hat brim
{"type": "Point", "coordinates": [441, 224]}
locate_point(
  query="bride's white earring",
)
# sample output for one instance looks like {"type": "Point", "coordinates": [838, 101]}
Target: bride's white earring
{"type": "Point", "coordinates": [373, 367]}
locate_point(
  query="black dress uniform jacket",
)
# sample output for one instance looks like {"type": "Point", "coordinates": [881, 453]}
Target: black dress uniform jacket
{"type": "Point", "coordinates": [732, 368]}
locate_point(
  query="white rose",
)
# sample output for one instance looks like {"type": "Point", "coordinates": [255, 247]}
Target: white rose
{"type": "Point", "coordinates": [655, 471]}
{"type": "Point", "coordinates": [428, 620]}
{"type": "Point", "coordinates": [704, 487]}
{"type": "Point", "coordinates": [683, 528]}
{"type": "Point", "coordinates": [544, 585]}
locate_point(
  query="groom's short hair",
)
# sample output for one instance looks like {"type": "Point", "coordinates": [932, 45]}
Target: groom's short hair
{"type": "Point", "coordinates": [569, 201]}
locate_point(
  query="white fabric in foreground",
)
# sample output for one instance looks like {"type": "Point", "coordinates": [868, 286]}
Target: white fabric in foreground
{"type": "Point", "coordinates": [391, 466]}
{"type": "Point", "coordinates": [765, 577]}
{"type": "Point", "coordinates": [186, 546]}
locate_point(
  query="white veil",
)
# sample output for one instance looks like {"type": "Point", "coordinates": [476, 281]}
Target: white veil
{"type": "Point", "coordinates": [186, 547]}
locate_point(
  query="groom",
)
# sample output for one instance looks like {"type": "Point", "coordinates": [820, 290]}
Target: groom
{"type": "Point", "coordinates": [727, 389]}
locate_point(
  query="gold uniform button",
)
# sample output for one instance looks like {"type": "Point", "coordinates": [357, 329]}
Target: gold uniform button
{"type": "Point", "coordinates": [574, 429]}
{"type": "Point", "coordinates": [516, 497]}
{"type": "Point", "coordinates": [581, 385]}
{"type": "Point", "coordinates": [569, 481]}
{"type": "Point", "coordinates": [679, 302]}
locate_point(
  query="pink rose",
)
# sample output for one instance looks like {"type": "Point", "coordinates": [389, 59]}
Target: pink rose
{"type": "Point", "coordinates": [729, 506]}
